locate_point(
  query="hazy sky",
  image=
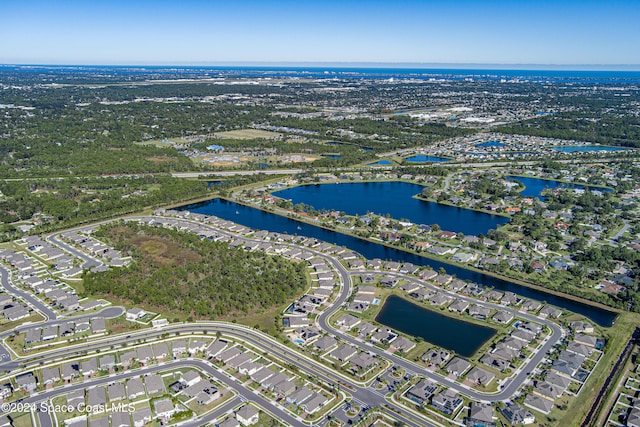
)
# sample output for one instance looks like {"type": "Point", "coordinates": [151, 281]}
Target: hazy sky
{"type": "Point", "coordinates": [241, 31]}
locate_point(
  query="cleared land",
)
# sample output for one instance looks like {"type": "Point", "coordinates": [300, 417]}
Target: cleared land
{"type": "Point", "coordinates": [247, 134]}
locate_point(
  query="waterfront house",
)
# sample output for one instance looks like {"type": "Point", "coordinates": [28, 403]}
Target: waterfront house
{"type": "Point", "coordinates": [480, 376]}
{"type": "Point", "coordinates": [581, 327]}
{"type": "Point", "coordinates": [479, 312]}
{"type": "Point", "coordinates": [503, 317]}
{"type": "Point", "coordinates": [459, 306]}
{"type": "Point", "coordinates": [457, 366]}
{"type": "Point", "coordinates": [531, 305]}
{"type": "Point", "coordinates": [403, 344]}
{"type": "Point", "coordinates": [436, 357]}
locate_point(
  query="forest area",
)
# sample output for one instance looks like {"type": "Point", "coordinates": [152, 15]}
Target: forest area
{"type": "Point", "coordinates": [179, 274]}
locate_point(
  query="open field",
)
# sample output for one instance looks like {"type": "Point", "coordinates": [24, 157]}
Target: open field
{"type": "Point", "coordinates": [162, 143]}
{"type": "Point", "coordinates": [247, 134]}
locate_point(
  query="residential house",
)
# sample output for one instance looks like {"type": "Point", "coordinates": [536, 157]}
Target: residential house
{"type": "Point", "coordinates": [516, 414]}
{"type": "Point", "coordinates": [457, 366]}
{"type": "Point", "coordinates": [480, 415]}
{"type": "Point", "coordinates": [247, 415]}
{"type": "Point", "coordinates": [480, 376]}
{"type": "Point", "coordinates": [344, 352]}
{"type": "Point", "coordinates": [448, 402]}
{"type": "Point", "coordinates": [422, 392]}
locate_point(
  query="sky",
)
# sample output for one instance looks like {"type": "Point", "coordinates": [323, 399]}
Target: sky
{"type": "Point", "coordinates": [203, 32]}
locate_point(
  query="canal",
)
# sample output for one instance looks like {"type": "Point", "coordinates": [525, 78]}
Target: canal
{"type": "Point", "coordinates": [261, 220]}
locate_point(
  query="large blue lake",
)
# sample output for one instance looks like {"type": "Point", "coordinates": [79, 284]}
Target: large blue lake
{"type": "Point", "coordinates": [464, 338]}
{"type": "Point", "coordinates": [423, 158]}
{"type": "Point", "coordinates": [261, 220]}
{"type": "Point", "coordinates": [394, 198]}
{"type": "Point", "coordinates": [490, 144]}
{"type": "Point", "coordinates": [381, 163]}
{"type": "Point", "coordinates": [535, 186]}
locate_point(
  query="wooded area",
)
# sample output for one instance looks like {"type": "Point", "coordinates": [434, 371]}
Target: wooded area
{"type": "Point", "coordinates": [180, 274]}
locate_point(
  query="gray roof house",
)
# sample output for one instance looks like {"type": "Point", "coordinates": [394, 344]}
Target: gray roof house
{"type": "Point", "coordinates": [135, 388]}
{"type": "Point", "coordinates": [516, 414]}
{"type": "Point", "coordinates": [325, 343]}
{"type": "Point", "coordinates": [480, 414]}
{"type": "Point", "coordinates": [96, 396]}
{"type": "Point", "coordinates": [447, 402]}
{"type": "Point", "coordinates": [116, 392]}
{"type": "Point", "coordinates": [422, 392]}
{"type": "Point", "coordinates": [480, 376]}
{"type": "Point", "coordinates": [344, 352]}
{"type": "Point", "coordinates": [436, 357]}
{"type": "Point", "coordinates": [457, 366]}
{"type": "Point", "coordinates": [50, 375]}
{"type": "Point", "coordinates": [154, 384]}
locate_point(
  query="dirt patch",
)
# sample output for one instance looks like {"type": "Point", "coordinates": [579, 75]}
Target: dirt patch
{"type": "Point", "coordinates": [158, 249]}
{"type": "Point", "coordinates": [158, 159]}
{"type": "Point", "coordinates": [248, 134]}
{"type": "Point", "coordinates": [164, 251]}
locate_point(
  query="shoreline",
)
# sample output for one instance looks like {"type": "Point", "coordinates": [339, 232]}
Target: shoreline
{"type": "Point", "coordinates": [574, 298]}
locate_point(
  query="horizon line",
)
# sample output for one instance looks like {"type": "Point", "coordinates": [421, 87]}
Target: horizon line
{"type": "Point", "coordinates": [355, 64]}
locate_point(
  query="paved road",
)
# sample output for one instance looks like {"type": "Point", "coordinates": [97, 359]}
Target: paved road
{"type": "Point", "coordinates": [107, 313]}
{"type": "Point", "coordinates": [510, 386]}
{"type": "Point", "coordinates": [238, 333]}
{"type": "Point", "coordinates": [301, 361]}
{"type": "Point", "coordinates": [233, 173]}
{"type": "Point", "coordinates": [200, 365]}
{"type": "Point", "coordinates": [383, 167]}
{"type": "Point", "coordinates": [27, 296]}
{"type": "Point", "coordinates": [88, 260]}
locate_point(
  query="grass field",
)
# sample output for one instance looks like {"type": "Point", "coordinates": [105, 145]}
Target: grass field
{"type": "Point", "coordinates": [248, 134]}
{"type": "Point", "coordinates": [162, 143]}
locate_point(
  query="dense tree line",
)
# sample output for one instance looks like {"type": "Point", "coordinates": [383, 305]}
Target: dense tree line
{"type": "Point", "coordinates": [608, 129]}
{"type": "Point", "coordinates": [70, 201]}
{"type": "Point", "coordinates": [222, 281]}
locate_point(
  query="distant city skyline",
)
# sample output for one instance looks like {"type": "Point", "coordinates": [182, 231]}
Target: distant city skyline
{"type": "Point", "coordinates": [543, 34]}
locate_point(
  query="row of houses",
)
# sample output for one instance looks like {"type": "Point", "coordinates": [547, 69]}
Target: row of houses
{"type": "Point", "coordinates": [566, 369]}
{"type": "Point", "coordinates": [273, 380]}
{"type": "Point", "coordinates": [58, 293]}
{"type": "Point", "coordinates": [83, 240]}
{"type": "Point", "coordinates": [12, 309]}
{"type": "Point", "coordinates": [33, 336]}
